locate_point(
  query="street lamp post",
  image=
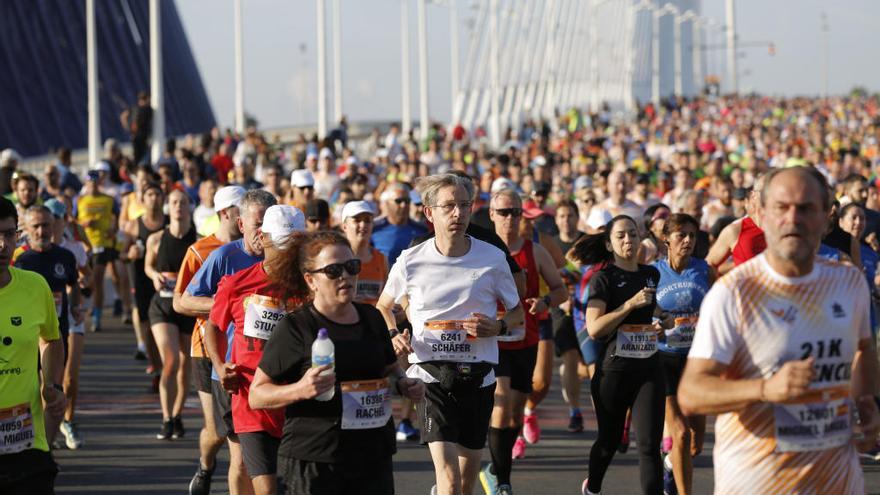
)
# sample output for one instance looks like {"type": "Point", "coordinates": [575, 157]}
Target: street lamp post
{"type": "Point", "coordinates": [322, 69]}
{"type": "Point", "coordinates": [157, 99]}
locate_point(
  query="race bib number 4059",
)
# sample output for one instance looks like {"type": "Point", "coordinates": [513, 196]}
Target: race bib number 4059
{"type": "Point", "coordinates": [365, 404]}
{"type": "Point", "coordinates": [16, 429]}
{"type": "Point", "coordinates": [636, 341]}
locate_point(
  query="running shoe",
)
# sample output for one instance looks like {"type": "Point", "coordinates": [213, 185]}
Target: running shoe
{"type": "Point", "coordinates": [201, 481]}
{"type": "Point", "coordinates": [71, 435]}
{"type": "Point", "coordinates": [488, 480]}
{"type": "Point", "coordinates": [519, 448]}
{"type": "Point", "coordinates": [576, 423]}
{"type": "Point", "coordinates": [504, 490]}
{"type": "Point", "coordinates": [166, 431]}
{"type": "Point", "coordinates": [177, 427]}
{"type": "Point", "coordinates": [624, 441]}
{"type": "Point", "coordinates": [667, 445]}
{"type": "Point", "coordinates": [140, 355]}
{"type": "Point", "coordinates": [669, 487]}
{"type": "Point", "coordinates": [873, 454]}
{"type": "Point", "coordinates": [96, 323]}
{"type": "Point", "coordinates": [584, 489]}
{"type": "Point", "coordinates": [434, 490]}
{"type": "Point", "coordinates": [406, 431]}
{"type": "Point", "coordinates": [531, 429]}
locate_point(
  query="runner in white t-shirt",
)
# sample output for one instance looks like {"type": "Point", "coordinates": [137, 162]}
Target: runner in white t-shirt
{"type": "Point", "coordinates": [782, 353]}
{"type": "Point", "coordinates": [452, 284]}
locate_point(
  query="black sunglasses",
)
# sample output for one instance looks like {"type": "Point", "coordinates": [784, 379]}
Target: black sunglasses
{"type": "Point", "coordinates": [509, 212]}
{"type": "Point", "coordinates": [334, 271]}
{"type": "Point", "coordinates": [303, 188]}
{"type": "Point", "coordinates": [402, 201]}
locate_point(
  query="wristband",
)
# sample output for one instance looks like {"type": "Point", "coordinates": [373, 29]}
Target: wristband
{"type": "Point", "coordinates": [503, 330]}
{"type": "Point", "coordinates": [393, 332]}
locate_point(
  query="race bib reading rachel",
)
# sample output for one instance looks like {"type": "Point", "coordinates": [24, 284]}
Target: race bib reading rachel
{"type": "Point", "coordinates": [681, 336]}
{"type": "Point", "coordinates": [823, 421]}
{"type": "Point", "coordinates": [447, 340]}
{"type": "Point", "coordinates": [636, 341]}
{"type": "Point", "coordinates": [261, 314]}
{"type": "Point", "coordinates": [168, 286]}
{"type": "Point", "coordinates": [16, 429]}
{"type": "Point", "coordinates": [365, 404]}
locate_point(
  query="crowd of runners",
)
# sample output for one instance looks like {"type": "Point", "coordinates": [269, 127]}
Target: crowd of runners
{"type": "Point", "coordinates": [706, 258]}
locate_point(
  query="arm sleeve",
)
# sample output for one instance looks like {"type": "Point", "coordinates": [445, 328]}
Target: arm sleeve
{"type": "Point", "coordinates": [505, 286]}
{"type": "Point", "coordinates": [716, 336]}
{"type": "Point", "coordinates": [221, 311]}
{"type": "Point", "coordinates": [395, 286]}
{"type": "Point", "coordinates": [284, 354]}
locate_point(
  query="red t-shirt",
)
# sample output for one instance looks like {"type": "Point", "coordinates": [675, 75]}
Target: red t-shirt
{"type": "Point", "coordinates": [244, 299]}
{"type": "Point", "coordinates": [222, 165]}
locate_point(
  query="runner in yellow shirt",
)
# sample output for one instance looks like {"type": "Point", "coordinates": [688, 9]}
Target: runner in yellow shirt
{"type": "Point", "coordinates": [28, 324]}
{"type": "Point", "coordinates": [96, 212]}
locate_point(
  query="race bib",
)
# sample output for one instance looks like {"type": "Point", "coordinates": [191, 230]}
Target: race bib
{"type": "Point", "coordinates": [681, 336]}
{"type": "Point", "coordinates": [636, 341]}
{"type": "Point", "coordinates": [368, 290]}
{"type": "Point", "coordinates": [514, 334]}
{"type": "Point", "coordinates": [16, 429]}
{"type": "Point", "coordinates": [365, 404]}
{"type": "Point", "coordinates": [447, 340]}
{"type": "Point", "coordinates": [168, 287]}
{"type": "Point", "coordinates": [58, 297]}
{"type": "Point", "coordinates": [261, 314]}
{"type": "Point", "coordinates": [824, 421]}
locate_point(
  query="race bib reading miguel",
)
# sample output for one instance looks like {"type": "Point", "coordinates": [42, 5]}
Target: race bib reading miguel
{"type": "Point", "coordinates": [636, 341]}
{"type": "Point", "coordinates": [365, 404]}
{"type": "Point", "coordinates": [820, 422]}
{"type": "Point", "coordinates": [449, 341]}
{"type": "Point", "coordinates": [16, 429]}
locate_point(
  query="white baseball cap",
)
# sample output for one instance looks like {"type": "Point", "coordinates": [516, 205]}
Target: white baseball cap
{"type": "Point", "coordinates": [8, 155]}
{"type": "Point", "coordinates": [101, 166]}
{"type": "Point", "coordinates": [282, 220]}
{"type": "Point", "coordinates": [325, 153]}
{"type": "Point", "coordinates": [501, 184]}
{"type": "Point", "coordinates": [302, 178]}
{"type": "Point", "coordinates": [228, 196]}
{"type": "Point", "coordinates": [355, 208]}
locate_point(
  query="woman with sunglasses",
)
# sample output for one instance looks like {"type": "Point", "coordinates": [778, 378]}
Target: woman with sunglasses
{"type": "Point", "coordinates": [343, 445]}
{"type": "Point", "coordinates": [684, 281]}
{"type": "Point", "coordinates": [619, 315]}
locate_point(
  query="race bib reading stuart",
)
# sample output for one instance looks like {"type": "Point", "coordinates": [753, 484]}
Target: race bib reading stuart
{"type": "Point", "coordinates": [365, 404]}
{"type": "Point", "coordinates": [16, 429]}
{"type": "Point", "coordinates": [261, 314]}
{"type": "Point", "coordinates": [636, 341]}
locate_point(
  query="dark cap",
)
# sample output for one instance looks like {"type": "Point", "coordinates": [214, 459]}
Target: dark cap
{"type": "Point", "coordinates": [643, 179]}
{"type": "Point", "coordinates": [317, 208]}
{"type": "Point", "coordinates": [541, 187]}
{"type": "Point", "coordinates": [740, 193]}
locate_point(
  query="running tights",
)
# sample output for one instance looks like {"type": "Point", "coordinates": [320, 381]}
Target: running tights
{"type": "Point", "coordinates": [614, 392]}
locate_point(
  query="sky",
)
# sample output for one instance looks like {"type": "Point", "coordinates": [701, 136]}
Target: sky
{"type": "Point", "coordinates": [281, 65]}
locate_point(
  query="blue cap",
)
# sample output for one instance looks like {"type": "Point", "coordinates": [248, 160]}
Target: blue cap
{"type": "Point", "coordinates": [57, 208]}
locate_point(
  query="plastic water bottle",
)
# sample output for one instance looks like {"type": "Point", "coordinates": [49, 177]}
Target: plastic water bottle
{"type": "Point", "coordinates": [323, 354]}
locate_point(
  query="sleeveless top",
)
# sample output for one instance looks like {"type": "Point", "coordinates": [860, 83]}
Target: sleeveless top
{"type": "Point", "coordinates": [172, 250]}
{"type": "Point", "coordinates": [143, 232]}
{"type": "Point", "coordinates": [750, 242]}
{"type": "Point", "coordinates": [525, 258]}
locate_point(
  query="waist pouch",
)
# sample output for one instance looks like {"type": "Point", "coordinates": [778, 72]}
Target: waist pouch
{"type": "Point", "coordinates": [457, 377]}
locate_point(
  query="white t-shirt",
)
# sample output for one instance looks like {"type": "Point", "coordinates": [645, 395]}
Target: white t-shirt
{"type": "Point", "coordinates": [451, 288]}
{"type": "Point", "coordinates": [200, 214]}
{"type": "Point", "coordinates": [754, 320]}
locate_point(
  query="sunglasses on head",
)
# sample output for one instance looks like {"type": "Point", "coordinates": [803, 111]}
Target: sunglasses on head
{"type": "Point", "coordinates": [334, 271]}
{"type": "Point", "coordinates": [509, 212]}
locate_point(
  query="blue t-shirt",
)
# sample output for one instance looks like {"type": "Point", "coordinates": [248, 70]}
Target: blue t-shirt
{"type": "Point", "coordinates": [681, 294]}
{"type": "Point", "coordinates": [58, 266]}
{"type": "Point", "coordinates": [828, 252]}
{"type": "Point", "coordinates": [391, 239]}
{"type": "Point", "coordinates": [225, 260]}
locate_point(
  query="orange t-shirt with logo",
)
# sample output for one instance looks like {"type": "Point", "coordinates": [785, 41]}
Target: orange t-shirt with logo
{"type": "Point", "coordinates": [372, 278]}
{"type": "Point", "coordinates": [192, 261]}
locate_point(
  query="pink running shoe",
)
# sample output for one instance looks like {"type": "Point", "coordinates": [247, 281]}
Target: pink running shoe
{"type": "Point", "coordinates": [519, 448]}
{"type": "Point", "coordinates": [667, 445]}
{"type": "Point", "coordinates": [531, 429]}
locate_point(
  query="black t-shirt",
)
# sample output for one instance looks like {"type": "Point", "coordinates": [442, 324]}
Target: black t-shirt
{"type": "Point", "coordinates": [614, 286]}
{"type": "Point", "coordinates": [312, 429]}
{"type": "Point", "coordinates": [58, 267]}
{"type": "Point", "coordinates": [567, 245]}
{"type": "Point", "coordinates": [701, 246]}
{"type": "Point", "coordinates": [483, 234]}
